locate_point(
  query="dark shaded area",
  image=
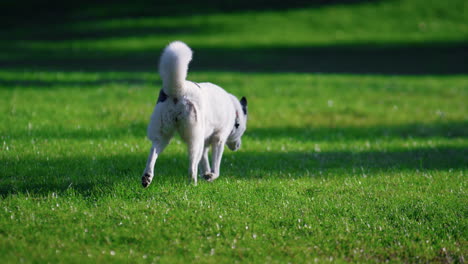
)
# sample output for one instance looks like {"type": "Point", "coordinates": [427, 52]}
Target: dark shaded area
{"type": "Point", "coordinates": [84, 174]}
{"type": "Point", "coordinates": [414, 130]}
{"type": "Point", "coordinates": [84, 84]}
{"type": "Point", "coordinates": [88, 176]}
{"type": "Point", "coordinates": [304, 134]}
{"type": "Point", "coordinates": [348, 163]}
{"type": "Point", "coordinates": [42, 23]}
{"type": "Point", "coordinates": [61, 33]}
{"type": "Point", "coordinates": [421, 59]}
{"type": "Point", "coordinates": [19, 12]}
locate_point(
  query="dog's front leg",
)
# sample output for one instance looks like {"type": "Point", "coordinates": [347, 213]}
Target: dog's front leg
{"type": "Point", "coordinates": [156, 149]}
{"type": "Point", "coordinates": [205, 162]}
{"type": "Point", "coordinates": [218, 148]}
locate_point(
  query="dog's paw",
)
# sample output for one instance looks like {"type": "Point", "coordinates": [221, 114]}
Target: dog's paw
{"type": "Point", "coordinates": [209, 176]}
{"type": "Point", "coordinates": [146, 180]}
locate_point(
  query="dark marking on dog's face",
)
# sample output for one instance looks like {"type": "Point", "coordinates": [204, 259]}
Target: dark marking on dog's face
{"type": "Point", "coordinates": [162, 97]}
{"type": "Point", "coordinates": [234, 140]}
{"type": "Point", "coordinates": [243, 102]}
{"type": "Point", "coordinates": [175, 100]}
{"type": "Point", "coordinates": [234, 145]}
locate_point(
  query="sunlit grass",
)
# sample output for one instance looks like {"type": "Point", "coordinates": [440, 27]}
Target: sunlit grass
{"type": "Point", "coordinates": [354, 168]}
{"type": "Point", "coordinates": [334, 167]}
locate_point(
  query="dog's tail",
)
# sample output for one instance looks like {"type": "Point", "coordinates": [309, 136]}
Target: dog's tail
{"type": "Point", "coordinates": [173, 67]}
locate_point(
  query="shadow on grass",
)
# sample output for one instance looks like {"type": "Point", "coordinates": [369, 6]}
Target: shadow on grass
{"type": "Point", "coordinates": [411, 59]}
{"type": "Point", "coordinates": [302, 134]}
{"type": "Point", "coordinates": [28, 11]}
{"type": "Point", "coordinates": [348, 163]}
{"type": "Point", "coordinates": [395, 59]}
{"type": "Point", "coordinates": [414, 130]}
{"type": "Point", "coordinates": [401, 59]}
{"type": "Point", "coordinates": [85, 175]}
{"type": "Point", "coordinates": [94, 177]}
{"type": "Point", "coordinates": [137, 31]}
{"type": "Point", "coordinates": [92, 84]}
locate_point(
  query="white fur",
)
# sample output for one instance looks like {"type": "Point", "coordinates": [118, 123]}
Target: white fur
{"type": "Point", "coordinates": [203, 114]}
{"type": "Point", "coordinates": [173, 67]}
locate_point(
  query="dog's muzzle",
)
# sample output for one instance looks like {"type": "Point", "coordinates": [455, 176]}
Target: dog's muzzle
{"type": "Point", "coordinates": [234, 145]}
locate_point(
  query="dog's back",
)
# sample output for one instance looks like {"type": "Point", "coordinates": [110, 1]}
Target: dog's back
{"type": "Point", "coordinates": [190, 102]}
{"type": "Point", "coordinates": [218, 110]}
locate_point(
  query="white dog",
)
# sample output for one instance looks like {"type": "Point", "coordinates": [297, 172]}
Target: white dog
{"type": "Point", "coordinates": [202, 113]}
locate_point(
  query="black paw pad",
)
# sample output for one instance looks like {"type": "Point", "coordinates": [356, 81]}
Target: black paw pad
{"type": "Point", "coordinates": [208, 176]}
{"type": "Point", "coordinates": [146, 180]}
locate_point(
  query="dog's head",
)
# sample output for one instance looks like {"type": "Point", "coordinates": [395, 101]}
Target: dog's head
{"type": "Point", "coordinates": [234, 140]}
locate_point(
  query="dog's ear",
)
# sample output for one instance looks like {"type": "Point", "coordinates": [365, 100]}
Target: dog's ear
{"type": "Point", "coordinates": [243, 103]}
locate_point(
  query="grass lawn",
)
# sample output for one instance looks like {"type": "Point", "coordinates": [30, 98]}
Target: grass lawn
{"type": "Point", "coordinates": [356, 148]}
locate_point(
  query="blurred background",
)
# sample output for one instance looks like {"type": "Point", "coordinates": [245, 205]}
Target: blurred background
{"type": "Point", "coordinates": [406, 37]}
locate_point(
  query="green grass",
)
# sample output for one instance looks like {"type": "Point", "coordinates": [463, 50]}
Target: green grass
{"type": "Point", "coordinates": [356, 148]}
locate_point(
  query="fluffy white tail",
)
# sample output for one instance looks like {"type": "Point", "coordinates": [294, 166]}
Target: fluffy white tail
{"type": "Point", "coordinates": [173, 67]}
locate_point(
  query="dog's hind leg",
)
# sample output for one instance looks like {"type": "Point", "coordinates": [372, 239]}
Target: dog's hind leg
{"type": "Point", "coordinates": [195, 150]}
{"type": "Point", "coordinates": [218, 148]}
{"type": "Point", "coordinates": [156, 149]}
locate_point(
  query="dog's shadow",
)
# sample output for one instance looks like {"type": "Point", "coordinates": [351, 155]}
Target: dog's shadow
{"type": "Point", "coordinates": [251, 165]}
{"type": "Point", "coordinates": [89, 177]}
